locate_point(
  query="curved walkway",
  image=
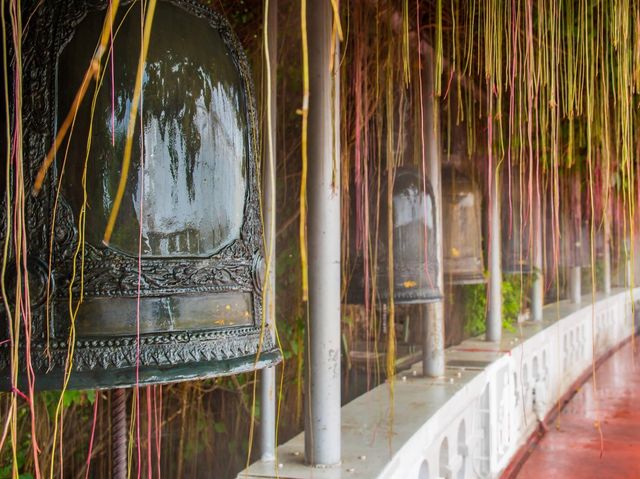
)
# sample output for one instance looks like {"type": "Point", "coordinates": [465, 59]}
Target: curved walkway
{"type": "Point", "coordinates": [572, 447]}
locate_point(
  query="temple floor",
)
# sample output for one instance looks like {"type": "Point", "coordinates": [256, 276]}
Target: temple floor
{"type": "Point", "coordinates": [574, 447]}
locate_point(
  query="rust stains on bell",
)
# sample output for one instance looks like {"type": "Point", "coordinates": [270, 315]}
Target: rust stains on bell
{"type": "Point", "coordinates": [177, 293]}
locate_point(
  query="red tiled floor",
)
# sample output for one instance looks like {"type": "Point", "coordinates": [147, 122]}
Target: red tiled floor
{"type": "Point", "coordinates": [571, 448]}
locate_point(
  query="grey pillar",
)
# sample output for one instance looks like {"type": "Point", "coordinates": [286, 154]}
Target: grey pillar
{"type": "Point", "coordinates": [268, 414]}
{"type": "Point", "coordinates": [494, 308]}
{"type": "Point", "coordinates": [579, 241]}
{"type": "Point", "coordinates": [606, 260]}
{"type": "Point", "coordinates": [537, 292]}
{"type": "Point", "coordinates": [268, 379]}
{"type": "Point", "coordinates": [575, 284]}
{"type": "Point", "coordinates": [322, 415]}
{"type": "Point", "coordinates": [433, 363]}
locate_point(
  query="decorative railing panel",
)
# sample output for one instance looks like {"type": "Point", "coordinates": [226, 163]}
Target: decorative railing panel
{"type": "Point", "coordinates": [472, 422]}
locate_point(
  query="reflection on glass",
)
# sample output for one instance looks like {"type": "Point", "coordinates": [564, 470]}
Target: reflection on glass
{"type": "Point", "coordinates": [187, 181]}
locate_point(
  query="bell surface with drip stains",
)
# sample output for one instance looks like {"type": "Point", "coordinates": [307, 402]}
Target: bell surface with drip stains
{"type": "Point", "coordinates": [462, 224]}
{"type": "Point", "coordinates": [177, 293]}
{"type": "Point", "coordinates": [516, 236]}
{"type": "Point", "coordinates": [573, 240]}
{"type": "Point", "coordinates": [415, 261]}
{"type": "Point", "coordinates": [575, 248]}
{"type": "Point", "coordinates": [589, 239]}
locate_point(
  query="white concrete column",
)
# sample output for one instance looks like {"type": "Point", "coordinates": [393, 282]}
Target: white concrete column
{"type": "Point", "coordinates": [606, 260]}
{"type": "Point", "coordinates": [433, 363]}
{"type": "Point", "coordinates": [322, 415]}
{"type": "Point", "coordinates": [268, 377]}
{"type": "Point", "coordinates": [537, 291]}
{"type": "Point", "coordinates": [578, 241]}
{"type": "Point", "coordinates": [575, 284]}
{"type": "Point", "coordinates": [494, 313]}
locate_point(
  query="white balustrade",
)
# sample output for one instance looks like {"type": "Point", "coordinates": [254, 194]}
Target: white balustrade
{"type": "Point", "coordinates": [472, 422]}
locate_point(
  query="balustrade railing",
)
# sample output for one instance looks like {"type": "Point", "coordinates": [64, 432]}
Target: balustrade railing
{"type": "Point", "coordinates": [472, 422]}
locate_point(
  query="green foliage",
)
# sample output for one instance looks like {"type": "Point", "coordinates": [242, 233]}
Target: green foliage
{"type": "Point", "coordinates": [78, 400]}
{"type": "Point", "coordinates": [70, 398]}
{"type": "Point", "coordinates": [21, 456]}
{"type": "Point", "coordinates": [219, 427]}
{"type": "Point", "coordinates": [588, 276]}
{"type": "Point", "coordinates": [475, 300]}
{"type": "Point", "coordinates": [512, 289]}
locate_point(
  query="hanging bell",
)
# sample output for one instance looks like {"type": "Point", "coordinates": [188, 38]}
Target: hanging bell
{"type": "Point", "coordinates": [595, 238]}
{"type": "Point", "coordinates": [415, 256]}
{"type": "Point", "coordinates": [568, 246]}
{"type": "Point", "coordinates": [415, 260]}
{"type": "Point", "coordinates": [176, 294]}
{"type": "Point", "coordinates": [515, 229]}
{"type": "Point", "coordinates": [576, 250]}
{"type": "Point", "coordinates": [462, 229]}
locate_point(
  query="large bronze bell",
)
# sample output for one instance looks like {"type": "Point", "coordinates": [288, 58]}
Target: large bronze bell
{"type": "Point", "coordinates": [597, 242]}
{"type": "Point", "coordinates": [569, 246]}
{"type": "Point", "coordinates": [415, 260]}
{"type": "Point", "coordinates": [516, 238]}
{"type": "Point", "coordinates": [576, 251]}
{"type": "Point", "coordinates": [462, 235]}
{"type": "Point", "coordinates": [414, 240]}
{"type": "Point", "coordinates": [177, 293]}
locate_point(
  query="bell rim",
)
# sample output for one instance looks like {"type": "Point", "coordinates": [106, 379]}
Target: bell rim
{"type": "Point", "coordinates": [148, 374]}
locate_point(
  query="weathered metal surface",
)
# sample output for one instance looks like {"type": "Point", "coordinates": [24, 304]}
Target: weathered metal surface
{"type": "Point", "coordinates": [462, 227]}
{"type": "Point", "coordinates": [516, 228]}
{"type": "Point", "coordinates": [191, 207]}
{"type": "Point", "coordinates": [414, 241]}
{"type": "Point", "coordinates": [415, 262]}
